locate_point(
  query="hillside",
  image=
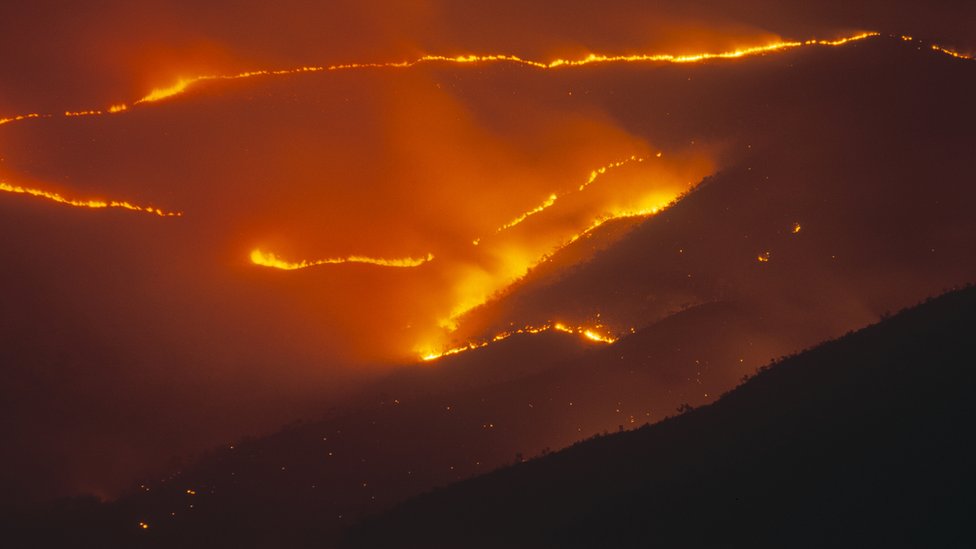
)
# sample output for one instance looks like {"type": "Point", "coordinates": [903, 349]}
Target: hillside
{"type": "Point", "coordinates": [846, 170]}
{"type": "Point", "coordinates": [865, 148]}
{"type": "Point", "coordinates": [863, 441]}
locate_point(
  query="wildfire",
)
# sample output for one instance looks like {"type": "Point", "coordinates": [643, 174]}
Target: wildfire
{"type": "Point", "coordinates": [695, 58]}
{"type": "Point", "coordinates": [594, 175]}
{"type": "Point", "coordinates": [620, 214]}
{"type": "Point", "coordinates": [90, 203]}
{"type": "Point", "coordinates": [941, 49]}
{"type": "Point", "coordinates": [182, 85]}
{"type": "Point", "coordinates": [952, 53]}
{"type": "Point", "coordinates": [22, 117]}
{"type": "Point", "coordinates": [549, 202]}
{"type": "Point", "coordinates": [590, 334]}
{"type": "Point", "coordinates": [267, 259]}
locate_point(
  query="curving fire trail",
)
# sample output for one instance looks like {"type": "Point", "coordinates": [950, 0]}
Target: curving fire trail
{"type": "Point", "coordinates": [592, 334]}
{"type": "Point", "coordinates": [87, 203]}
{"type": "Point", "coordinates": [182, 85]}
{"type": "Point", "coordinates": [594, 175]}
{"type": "Point", "coordinates": [268, 259]}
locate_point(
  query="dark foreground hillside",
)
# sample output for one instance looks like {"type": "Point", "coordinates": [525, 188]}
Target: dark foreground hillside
{"type": "Point", "coordinates": [864, 441]}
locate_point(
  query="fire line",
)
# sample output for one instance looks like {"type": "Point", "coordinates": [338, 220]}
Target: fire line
{"type": "Point", "coordinates": [88, 203]}
{"type": "Point", "coordinates": [183, 85]}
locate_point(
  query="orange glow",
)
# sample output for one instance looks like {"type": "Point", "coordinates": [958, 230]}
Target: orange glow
{"type": "Point", "coordinates": [91, 203]}
{"type": "Point", "coordinates": [144, 525]}
{"type": "Point", "coordinates": [763, 257]}
{"type": "Point", "coordinates": [267, 259]}
{"type": "Point", "coordinates": [590, 334]}
{"type": "Point", "coordinates": [796, 228]}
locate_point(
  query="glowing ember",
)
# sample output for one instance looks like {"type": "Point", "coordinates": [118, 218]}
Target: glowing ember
{"type": "Point", "coordinates": [91, 203]}
{"type": "Point", "coordinates": [796, 228]}
{"type": "Point", "coordinates": [763, 257]}
{"type": "Point", "coordinates": [267, 259]}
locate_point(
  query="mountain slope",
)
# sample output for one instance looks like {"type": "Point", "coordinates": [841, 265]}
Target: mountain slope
{"type": "Point", "coordinates": [863, 440]}
{"type": "Point", "coordinates": [884, 214]}
{"type": "Point", "coordinates": [860, 150]}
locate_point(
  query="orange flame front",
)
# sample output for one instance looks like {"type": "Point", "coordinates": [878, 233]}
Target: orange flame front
{"type": "Point", "coordinates": [267, 259]}
{"type": "Point", "coordinates": [90, 203]}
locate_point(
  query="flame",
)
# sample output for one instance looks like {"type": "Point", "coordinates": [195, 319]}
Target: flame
{"type": "Point", "coordinates": [267, 259]}
{"type": "Point", "coordinates": [661, 203]}
{"type": "Point", "coordinates": [561, 63]}
{"type": "Point", "coordinates": [698, 57]}
{"type": "Point", "coordinates": [182, 85]}
{"type": "Point", "coordinates": [590, 334]}
{"type": "Point", "coordinates": [179, 87]}
{"type": "Point", "coordinates": [952, 53]}
{"type": "Point", "coordinates": [478, 287]}
{"type": "Point", "coordinates": [90, 203]}
{"type": "Point", "coordinates": [763, 257]}
{"type": "Point", "coordinates": [796, 228]}
{"type": "Point", "coordinates": [941, 49]}
{"type": "Point", "coordinates": [18, 118]}
{"type": "Point", "coordinates": [594, 175]}
{"type": "Point", "coordinates": [549, 202]}
{"type": "Point", "coordinates": [82, 113]}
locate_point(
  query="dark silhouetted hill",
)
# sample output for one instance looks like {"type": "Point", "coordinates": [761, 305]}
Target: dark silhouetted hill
{"type": "Point", "coordinates": [861, 442]}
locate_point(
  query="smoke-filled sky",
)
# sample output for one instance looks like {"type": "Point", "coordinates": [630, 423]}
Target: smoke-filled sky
{"type": "Point", "coordinates": [130, 337]}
